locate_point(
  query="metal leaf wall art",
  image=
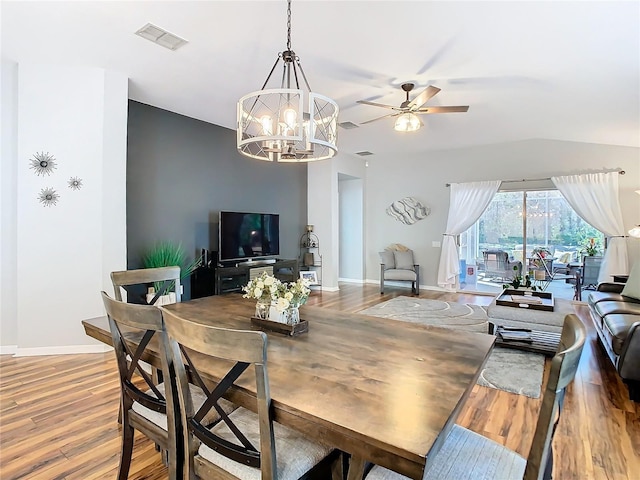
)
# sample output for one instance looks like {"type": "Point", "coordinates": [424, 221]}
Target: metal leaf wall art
{"type": "Point", "coordinates": [408, 210]}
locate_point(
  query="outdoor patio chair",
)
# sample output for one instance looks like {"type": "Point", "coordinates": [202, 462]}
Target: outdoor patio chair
{"type": "Point", "coordinates": [498, 267]}
{"type": "Point", "coordinates": [466, 454]}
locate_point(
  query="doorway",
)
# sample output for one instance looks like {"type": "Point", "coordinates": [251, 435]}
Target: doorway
{"type": "Point", "coordinates": [351, 246]}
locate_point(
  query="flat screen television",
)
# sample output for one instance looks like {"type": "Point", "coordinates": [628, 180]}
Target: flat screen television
{"type": "Point", "coordinates": [248, 235]}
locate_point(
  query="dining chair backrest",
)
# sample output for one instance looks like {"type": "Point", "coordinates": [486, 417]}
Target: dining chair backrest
{"type": "Point", "coordinates": [564, 366]}
{"type": "Point", "coordinates": [243, 347]}
{"type": "Point", "coordinates": [165, 279]}
{"type": "Point", "coordinates": [133, 327]}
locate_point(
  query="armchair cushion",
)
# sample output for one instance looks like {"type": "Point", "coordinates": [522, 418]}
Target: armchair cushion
{"type": "Point", "coordinates": [397, 274]}
{"type": "Point", "coordinates": [387, 258]}
{"type": "Point", "coordinates": [404, 260]}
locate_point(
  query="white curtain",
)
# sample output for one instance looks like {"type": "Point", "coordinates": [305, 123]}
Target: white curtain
{"type": "Point", "coordinates": [467, 202]}
{"type": "Point", "coordinates": [594, 196]}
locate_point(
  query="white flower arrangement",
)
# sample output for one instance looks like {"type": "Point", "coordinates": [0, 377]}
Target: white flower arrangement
{"type": "Point", "coordinates": [267, 288]}
{"type": "Point", "coordinates": [263, 288]}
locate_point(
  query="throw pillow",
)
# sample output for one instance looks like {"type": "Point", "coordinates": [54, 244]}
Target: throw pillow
{"type": "Point", "coordinates": [387, 258]}
{"type": "Point", "coordinates": [563, 257]}
{"type": "Point", "coordinates": [404, 260]}
{"type": "Point", "coordinates": [632, 287]}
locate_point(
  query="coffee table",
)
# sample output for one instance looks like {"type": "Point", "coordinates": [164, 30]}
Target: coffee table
{"type": "Point", "coordinates": [537, 342]}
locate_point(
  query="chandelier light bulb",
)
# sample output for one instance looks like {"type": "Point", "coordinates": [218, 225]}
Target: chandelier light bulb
{"type": "Point", "coordinates": [267, 125]}
{"type": "Point", "coordinates": [290, 117]}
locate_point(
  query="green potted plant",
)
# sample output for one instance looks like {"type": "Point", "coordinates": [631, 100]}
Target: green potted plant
{"type": "Point", "coordinates": [168, 254]}
{"type": "Point", "coordinates": [518, 281]}
{"type": "Point", "coordinates": [591, 248]}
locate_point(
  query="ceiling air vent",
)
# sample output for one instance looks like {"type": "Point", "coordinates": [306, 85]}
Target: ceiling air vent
{"type": "Point", "coordinates": [161, 37]}
{"type": "Point", "coordinates": [364, 153]}
{"type": "Point", "coordinates": [348, 125]}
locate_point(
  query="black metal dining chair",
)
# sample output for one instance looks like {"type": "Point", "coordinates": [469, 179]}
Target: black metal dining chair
{"type": "Point", "coordinates": [466, 454]}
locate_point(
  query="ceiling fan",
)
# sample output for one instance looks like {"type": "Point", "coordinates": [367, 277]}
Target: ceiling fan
{"type": "Point", "coordinates": [408, 111]}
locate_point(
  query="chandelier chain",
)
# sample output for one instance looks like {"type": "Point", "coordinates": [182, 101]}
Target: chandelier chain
{"type": "Point", "coordinates": [288, 24]}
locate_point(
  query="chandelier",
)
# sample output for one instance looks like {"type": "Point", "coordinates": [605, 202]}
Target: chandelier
{"type": "Point", "coordinates": [280, 124]}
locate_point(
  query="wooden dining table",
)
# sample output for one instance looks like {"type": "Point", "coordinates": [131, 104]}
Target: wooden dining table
{"type": "Point", "coordinates": [385, 391]}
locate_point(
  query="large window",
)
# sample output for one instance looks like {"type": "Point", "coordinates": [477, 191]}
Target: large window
{"type": "Point", "coordinates": [519, 222]}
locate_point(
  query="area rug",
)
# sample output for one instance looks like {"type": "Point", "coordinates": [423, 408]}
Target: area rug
{"type": "Point", "coordinates": [506, 369]}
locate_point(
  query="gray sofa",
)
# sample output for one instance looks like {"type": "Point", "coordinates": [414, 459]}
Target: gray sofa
{"type": "Point", "coordinates": [616, 318]}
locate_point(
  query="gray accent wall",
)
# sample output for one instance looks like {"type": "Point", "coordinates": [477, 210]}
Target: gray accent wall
{"type": "Point", "coordinates": [182, 172]}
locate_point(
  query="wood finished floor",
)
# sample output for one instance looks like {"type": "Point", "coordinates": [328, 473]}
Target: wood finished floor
{"type": "Point", "coordinates": [58, 413]}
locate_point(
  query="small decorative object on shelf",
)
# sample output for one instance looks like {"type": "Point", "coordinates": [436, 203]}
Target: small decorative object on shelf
{"type": "Point", "coordinates": [277, 302]}
{"type": "Point", "coordinates": [311, 260]}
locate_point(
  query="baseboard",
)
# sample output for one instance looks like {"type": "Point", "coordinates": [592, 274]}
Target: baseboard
{"type": "Point", "coordinates": [330, 289]}
{"type": "Point", "coordinates": [61, 350]}
{"type": "Point", "coordinates": [391, 283]}
{"type": "Point", "coordinates": [478, 292]}
{"type": "Point", "coordinates": [352, 280]}
{"type": "Point", "coordinates": [8, 349]}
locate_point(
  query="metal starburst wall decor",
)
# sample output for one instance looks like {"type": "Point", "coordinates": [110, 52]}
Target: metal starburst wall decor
{"type": "Point", "coordinates": [48, 197]}
{"type": "Point", "coordinates": [75, 183]}
{"type": "Point", "coordinates": [43, 163]}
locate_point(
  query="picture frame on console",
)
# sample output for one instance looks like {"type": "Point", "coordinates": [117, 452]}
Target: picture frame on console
{"type": "Point", "coordinates": [310, 276]}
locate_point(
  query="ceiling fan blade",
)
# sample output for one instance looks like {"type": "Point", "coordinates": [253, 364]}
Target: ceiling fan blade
{"type": "Point", "coordinates": [380, 118]}
{"type": "Point", "coordinates": [366, 102]}
{"type": "Point", "coordinates": [464, 108]}
{"type": "Point", "coordinates": [424, 96]}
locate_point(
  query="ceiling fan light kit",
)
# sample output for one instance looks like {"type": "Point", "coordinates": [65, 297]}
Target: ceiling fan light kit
{"type": "Point", "coordinates": [407, 122]}
{"type": "Point", "coordinates": [408, 111]}
{"type": "Point", "coordinates": [287, 124]}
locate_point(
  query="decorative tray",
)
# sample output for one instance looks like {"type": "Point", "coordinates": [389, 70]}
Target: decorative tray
{"type": "Point", "coordinates": [283, 328]}
{"type": "Point", "coordinates": [542, 301]}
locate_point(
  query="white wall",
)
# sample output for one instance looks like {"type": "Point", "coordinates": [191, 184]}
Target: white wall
{"type": "Point", "coordinates": [8, 213]}
{"type": "Point", "coordinates": [351, 228]}
{"type": "Point", "coordinates": [65, 252]}
{"type": "Point", "coordinates": [323, 208]}
{"type": "Point", "coordinates": [424, 177]}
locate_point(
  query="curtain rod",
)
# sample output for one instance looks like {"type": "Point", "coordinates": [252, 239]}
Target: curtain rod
{"type": "Point", "coordinates": [621, 172]}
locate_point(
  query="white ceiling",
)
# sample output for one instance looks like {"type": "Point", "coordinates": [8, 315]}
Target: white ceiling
{"type": "Point", "coordinates": [555, 70]}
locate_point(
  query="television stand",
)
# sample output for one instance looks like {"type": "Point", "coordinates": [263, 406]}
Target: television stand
{"type": "Point", "coordinates": [255, 263]}
{"type": "Point", "coordinates": [233, 278]}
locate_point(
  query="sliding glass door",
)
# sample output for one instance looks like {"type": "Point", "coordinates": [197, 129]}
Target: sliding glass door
{"type": "Point", "coordinates": [521, 221]}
